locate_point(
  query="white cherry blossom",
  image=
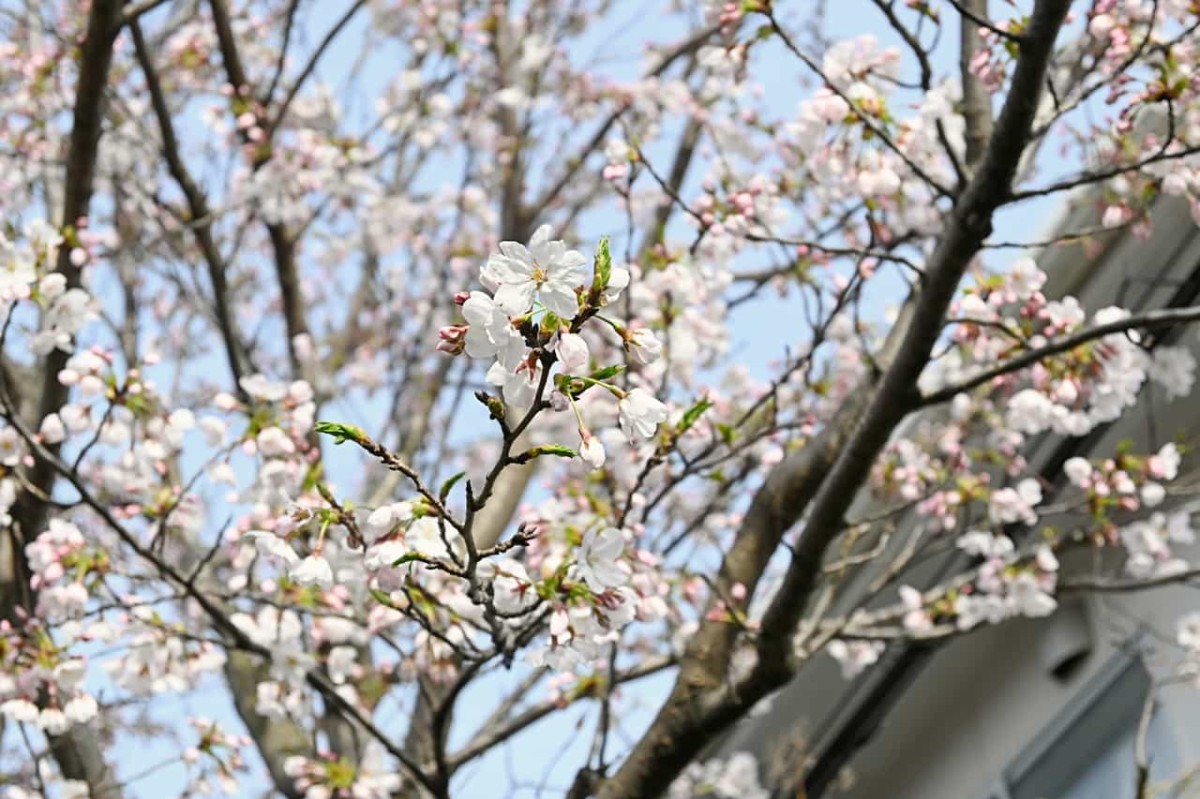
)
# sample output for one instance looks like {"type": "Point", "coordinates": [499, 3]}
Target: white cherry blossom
{"type": "Point", "coordinates": [312, 570]}
{"type": "Point", "coordinates": [572, 352]}
{"type": "Point", "coordinates": [545, 270]}
{"type": "Point", "coordinates": [644, 346]}
{"type": "Point", "coordinates": [491, 333]}
{"type": "Point", "coordinates": [640, 413]}
{"type": "Point", "coordinates": [272, 545]}
{"type": "Point", "coordinates": [591, 451]}
{"type": "Point", "coordinates": [598, 557]}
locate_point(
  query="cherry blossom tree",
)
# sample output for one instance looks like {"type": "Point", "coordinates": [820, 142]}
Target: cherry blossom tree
{"type": "Point", "coordinates": [376, 393]}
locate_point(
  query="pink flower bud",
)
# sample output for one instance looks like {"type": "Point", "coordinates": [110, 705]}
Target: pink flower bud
{"type": "Point", "coordinates": [452, 339]}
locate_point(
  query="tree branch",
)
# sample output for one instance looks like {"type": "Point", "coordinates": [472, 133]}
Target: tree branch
{"type": "Point", "coordinates": [135, 10]}
{"type": "Point", "coordinates": [969, 9]}
{"type": "Point", "coordinates": [197, 208]}
{"type": "Point", "coordinates": [1150, 320]}
{"type": "Point", "coordinates": [1100, 175]}
{"type": "Point", "coordinates": [283, 244]}
{"type": "Point", "coordinates": [701, 705]}
{"type": "Point", "coordinates": [77, 751]}
{"type": "Point", "coordinates": [500, 730]}
{"type": "Point", "coordinates": [977, 102]}
{"type": "Point", "coordinates": [576, 162]}
{"type": "Point", "coordinates": [969, 224]}
{"type": "Point", "coordinates": [312, 64]}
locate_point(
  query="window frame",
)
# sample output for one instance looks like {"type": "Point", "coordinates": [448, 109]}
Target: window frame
{"type": "Point", "coordinates": [1113, 699]}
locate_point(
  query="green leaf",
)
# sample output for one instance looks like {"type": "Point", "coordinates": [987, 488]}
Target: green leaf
{"type": "Point", "coordinates": [552, 449]}
{"type": "Point", "coordinates": [548, 588]}
{"type": "Point", "coordinates": [603, 266]}
{"type": "Point", "coordinates": [340, 433]}
{"type": "Point", "coordinates": [608, 372]}
{"type": "Point", "coordinates": [406, 558]}
{"type": "Point", "coordinates": [693, 414]}
{"type": "Point", "coordinates": [449, 484]}
{"type": "Point", "coordinates": [312, 476]}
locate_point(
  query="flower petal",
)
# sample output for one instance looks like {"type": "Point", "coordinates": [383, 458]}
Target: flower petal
{"type": "Point", "coordinates": [560, 301]}
{"type": "Point", "coordinates": [515, 298]}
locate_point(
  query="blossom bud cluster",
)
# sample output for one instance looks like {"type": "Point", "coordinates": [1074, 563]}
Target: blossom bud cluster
{"type": "Point", "coordinates": [1069, 393]}
{"type": "Point", "coordinates": [531, 317]}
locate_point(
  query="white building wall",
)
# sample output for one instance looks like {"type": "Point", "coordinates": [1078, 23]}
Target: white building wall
{"type": "Point", "coordinates": [987, 698]}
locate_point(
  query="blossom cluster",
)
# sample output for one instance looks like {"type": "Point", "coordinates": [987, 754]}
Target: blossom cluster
{"type": "Point", "coordinates": [32, 665]}
{"type": "Point", "coordinates": [1071, 393]}
{"type": "Point", "coordinates": [301, 267]}
{"type": "Point", "coordinates": [531, 317]}
{"type": "Point", "coordinates": [1116, 488]}
{"type": "Point", "coordinates": [1006, 586]}
{"type": "Point", "coordinates": [331, 777]}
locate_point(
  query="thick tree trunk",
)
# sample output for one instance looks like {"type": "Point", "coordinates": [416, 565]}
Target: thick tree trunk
{"type": "Point", "coordinates": [702, 703]}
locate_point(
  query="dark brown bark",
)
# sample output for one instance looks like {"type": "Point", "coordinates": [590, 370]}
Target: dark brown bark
{"type": "Point", "coordinates": [78, 752]}
{"type": "Point", "coordinates": [977, 101]}
{"type": "Point", "coordinates": [198, 209]}
{"type": "Point", "coordinates": [702, 703]}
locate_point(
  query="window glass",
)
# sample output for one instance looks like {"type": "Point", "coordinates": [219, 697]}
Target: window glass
{"type": "Point", "coordinates": [1093, 754]}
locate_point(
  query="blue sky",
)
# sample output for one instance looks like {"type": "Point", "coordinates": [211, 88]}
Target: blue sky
{"type": "Point", "coordinates": [759, 342]}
